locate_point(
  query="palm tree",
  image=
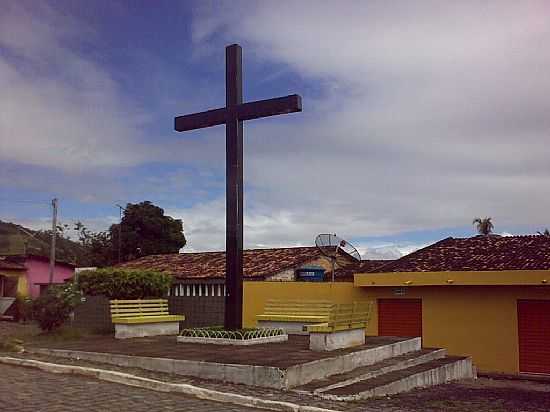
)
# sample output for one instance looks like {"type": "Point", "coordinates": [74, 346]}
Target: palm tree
{"type": "Point", "coordinates": [484, 226]}
{"type": "Point", "coordinates": [545, 233]}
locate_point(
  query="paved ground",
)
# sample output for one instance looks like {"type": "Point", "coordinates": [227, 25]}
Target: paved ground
{"type": "Point", "coordinates": [26, 389]}
{"type": "Point", "coordinates": [18, 384]}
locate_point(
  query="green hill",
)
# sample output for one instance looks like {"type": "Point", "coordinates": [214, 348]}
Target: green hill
{"type": "Point", "coordinates": [17, 240]}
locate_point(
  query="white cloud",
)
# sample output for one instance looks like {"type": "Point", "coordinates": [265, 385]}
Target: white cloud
{"type": "Point", "coordinates": [428, 114]}
{"type": "Point", "coordinates": [417, 115]}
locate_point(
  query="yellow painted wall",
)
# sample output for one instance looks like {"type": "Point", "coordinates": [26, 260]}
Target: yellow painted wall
{"type": "Point", "coordinates": [257, 293]}
{"type": "Point", "coordinates": [478, 321]}
{"type": "Point", "coordinates": [22, 285]}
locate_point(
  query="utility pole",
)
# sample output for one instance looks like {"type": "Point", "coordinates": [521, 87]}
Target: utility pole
{"type": "Point", "coordinates": [52, 246]}
{"type": "Point", "coordinates": [120, 209]}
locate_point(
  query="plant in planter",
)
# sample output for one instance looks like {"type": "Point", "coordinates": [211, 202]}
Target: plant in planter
{"type": "Point", "coordinates": [218, 335]}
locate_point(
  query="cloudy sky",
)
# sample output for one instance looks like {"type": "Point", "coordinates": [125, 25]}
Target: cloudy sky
{"type": "Point", "coordinates": [417, 116]}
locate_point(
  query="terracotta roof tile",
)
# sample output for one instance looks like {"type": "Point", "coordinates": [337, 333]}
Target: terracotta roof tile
{"type": "Point", "coordinates": [364, 266]}
{"type": "Point", "coordinates": [258, 263]}
{"type": "Point", "coordinates": [478, 253]}
{"type": "Point", "coordinates": [6, 264]}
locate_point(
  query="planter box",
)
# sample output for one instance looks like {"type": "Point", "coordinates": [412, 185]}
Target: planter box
{"type": "Point", "coordinates": [237, 342]}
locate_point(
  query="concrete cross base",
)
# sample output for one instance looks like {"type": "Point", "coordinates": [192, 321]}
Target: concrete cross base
{"type": "Point", "coordinates": [323, 341]}
{"type": "Point", "coordinates": [141, 330]}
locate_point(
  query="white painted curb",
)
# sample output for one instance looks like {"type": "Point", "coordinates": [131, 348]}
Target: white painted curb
{"type": "Point", "coordinates": [159, 386]}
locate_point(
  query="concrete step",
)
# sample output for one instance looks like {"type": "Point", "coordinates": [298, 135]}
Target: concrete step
{"type": "Point", "coordinates": [371, 371]}
{"type": "Point", "coordinates": [377, 349]}
{"type": "Point", "coordinates": [431, 373]}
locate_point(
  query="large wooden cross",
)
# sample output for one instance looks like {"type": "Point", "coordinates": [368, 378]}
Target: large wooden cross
{"type": "Point", "coordinates": [233, 115]}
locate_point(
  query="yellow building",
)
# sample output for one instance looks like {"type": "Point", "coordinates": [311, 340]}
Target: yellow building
{"type": "Point", "coordinates": [487, 297]}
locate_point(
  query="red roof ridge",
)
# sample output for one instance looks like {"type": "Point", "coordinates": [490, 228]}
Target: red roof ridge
{"type": "Point", "coordinates": [476, 253]}
{"type": "Point", "coordinates": [412, 254]}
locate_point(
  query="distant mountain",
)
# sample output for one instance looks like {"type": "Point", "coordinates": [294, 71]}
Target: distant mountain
{"type": "Point", "coordinates": [18, 240]}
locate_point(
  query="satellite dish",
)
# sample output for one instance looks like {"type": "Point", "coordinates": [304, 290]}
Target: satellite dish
{"type": "Point", "coordinates": [332, 246]}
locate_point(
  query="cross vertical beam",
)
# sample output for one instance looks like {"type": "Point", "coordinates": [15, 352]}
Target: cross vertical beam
{"type": "Point", "coordinates": [233, 116]}
{"type": "Point", "coordinates": [234, 188]}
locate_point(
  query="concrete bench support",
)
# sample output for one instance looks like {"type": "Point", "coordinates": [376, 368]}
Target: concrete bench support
{"type": "Point", "coordinates": [141, 330]}
{"type": "Point", "coordinates": [290, 328]}
{"type": "Point", "coordinates": [327, 341]}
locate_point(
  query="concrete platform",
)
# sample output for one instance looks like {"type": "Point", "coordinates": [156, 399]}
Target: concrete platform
{"type": "Point", "coordinates": [281, 365]}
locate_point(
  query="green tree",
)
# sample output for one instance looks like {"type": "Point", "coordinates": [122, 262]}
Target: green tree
{"type": "Point", "coordinates": [483, 226]}
{"type": "Point", "coordinates": [546, 233]}
{"type": "Point", "coordinates": [98, 246]}
{"type": "Point", "coordinates": [146, 230]}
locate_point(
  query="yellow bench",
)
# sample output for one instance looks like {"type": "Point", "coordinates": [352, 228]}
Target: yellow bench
{"type": "Point", "coordinates": [345, 327]}
{"type": "Point", "coordinates": [143, 317]}
{"type": "Point", "coordinates": [294, 315]}
{"type": "Point", "coordinates": [344, 316]}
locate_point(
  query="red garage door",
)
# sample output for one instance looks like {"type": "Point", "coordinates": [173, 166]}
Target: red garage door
{"type": "Point", "coordinates": [400, 317]}
{"type": "Point", "coordinates": [534, 336]}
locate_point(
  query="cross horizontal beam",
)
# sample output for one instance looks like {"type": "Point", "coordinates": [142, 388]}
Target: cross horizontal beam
{"type": "Point", "coordinates": [245, 111]}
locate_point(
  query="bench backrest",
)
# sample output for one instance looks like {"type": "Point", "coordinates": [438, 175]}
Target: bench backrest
{"type": "Point", "coordinates": [298, 307]}
{"type": "Point", "coordinates": [138, 308]}
{"type": "Point", "coordinates": [350, 315]}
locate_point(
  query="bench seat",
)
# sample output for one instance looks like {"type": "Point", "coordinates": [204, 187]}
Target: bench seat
{"type": "Point", "coordinates": [326, 328]}
{"type": "Point", "coordinates": [149, 319]}
{"type": "Point", "coordinates": [294, 318]}
{"type": "Point", "coordinates": [294, 315]}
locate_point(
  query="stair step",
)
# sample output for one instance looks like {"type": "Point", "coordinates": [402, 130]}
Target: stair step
{"type": "Point", "coordinates": [367, 372]}
{"type": "Point", "coordinates": [425, 374]}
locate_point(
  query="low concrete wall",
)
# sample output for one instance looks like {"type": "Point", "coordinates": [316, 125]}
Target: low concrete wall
{"type": "Point", "coordinates": [94, 312]}
{"type": "Point", "coordinates": [199, 311]}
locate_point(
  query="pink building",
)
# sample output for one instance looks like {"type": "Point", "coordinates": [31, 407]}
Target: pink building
{"type": "Point", "coordinates": [35, 276]}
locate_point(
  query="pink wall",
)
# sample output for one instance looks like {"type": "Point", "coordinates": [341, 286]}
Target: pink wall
{"type": "Point", "coordinates": [38, 271]}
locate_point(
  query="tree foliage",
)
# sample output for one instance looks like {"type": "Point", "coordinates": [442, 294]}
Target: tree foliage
{"type": "Point", "coordinates": [146, 230]}
{"type": "Point", "coordinates": [117, 283]}
{"type": "Point", "coordinates": [484, 226]}
{"type": "Point", "coordinates": [98, 246]}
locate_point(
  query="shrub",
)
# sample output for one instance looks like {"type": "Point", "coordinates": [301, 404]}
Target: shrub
{"type": "Point", "coordinates": [23, 306]}
{"type": "Point", "coordinates": [53, 308]}
{"type": "Point", "coordinates": [117, 283]}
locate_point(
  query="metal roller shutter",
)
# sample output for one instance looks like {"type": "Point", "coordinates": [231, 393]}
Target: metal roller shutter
{"type": "Point", "coordinates": [400, 317]}
{"type": "Point", "coordinates": [534, 336]}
